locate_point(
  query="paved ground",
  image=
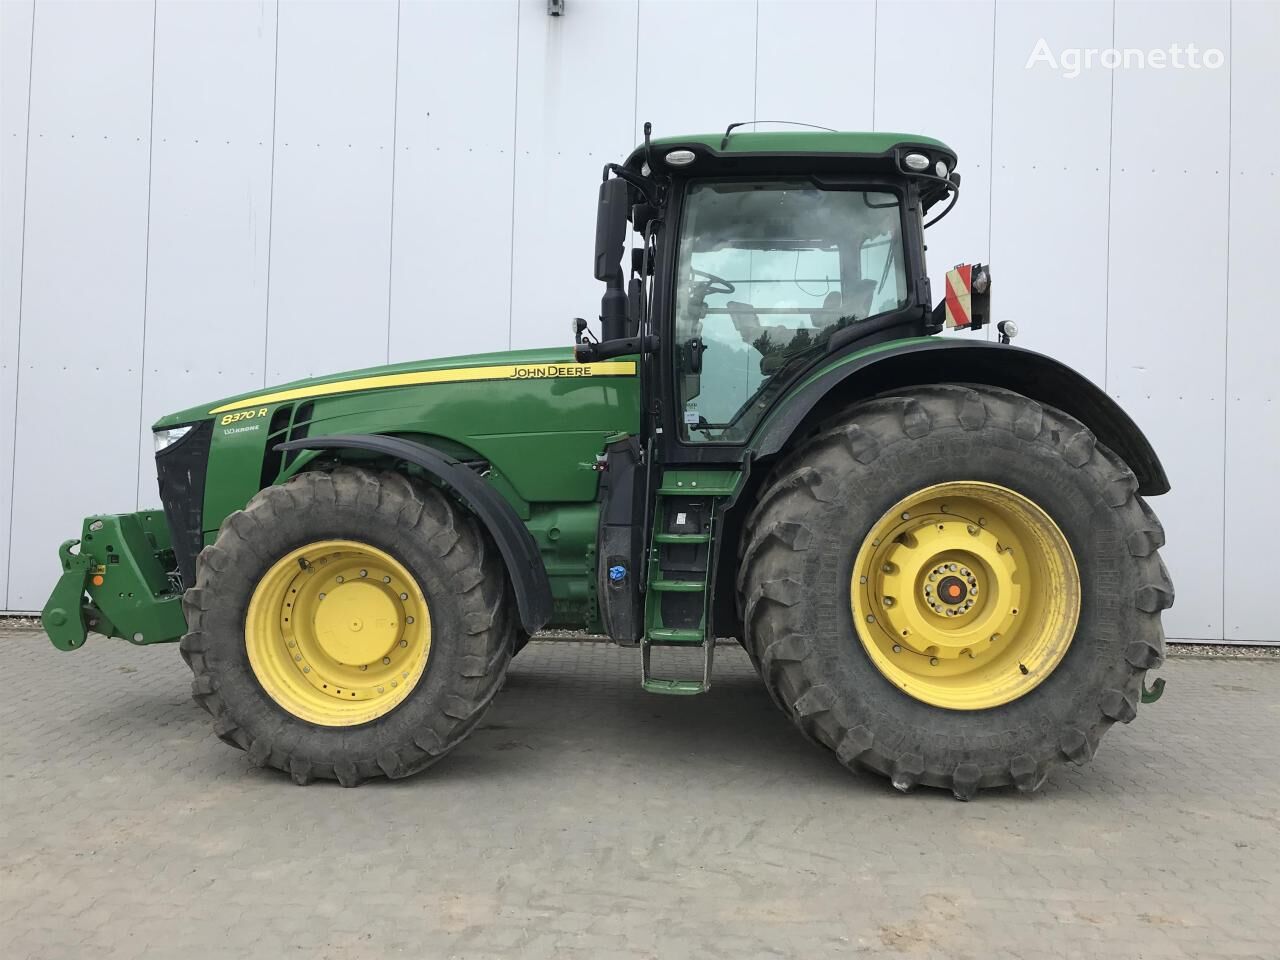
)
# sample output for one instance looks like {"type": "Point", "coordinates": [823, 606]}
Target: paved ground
{"type": "Point", "coordinates": [586, 819]}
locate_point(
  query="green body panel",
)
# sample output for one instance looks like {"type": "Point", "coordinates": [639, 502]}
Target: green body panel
{"type": "Point", "coordinates": [135, 601]}
{"type": "Point", "coordinates": [517, 425]}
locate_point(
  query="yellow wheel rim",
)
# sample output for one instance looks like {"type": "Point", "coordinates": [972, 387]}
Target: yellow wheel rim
{"type": "Point", "coordinates": [338, 632]}
{"type": "Point", "coordinates": [965, 595]}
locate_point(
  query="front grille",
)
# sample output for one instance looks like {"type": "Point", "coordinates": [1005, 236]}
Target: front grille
{"type": "Point", "coordinates": [181, 470]}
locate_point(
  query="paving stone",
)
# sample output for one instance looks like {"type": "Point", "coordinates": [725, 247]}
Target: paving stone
{"type": "Point", "coordinates": [585, 818]}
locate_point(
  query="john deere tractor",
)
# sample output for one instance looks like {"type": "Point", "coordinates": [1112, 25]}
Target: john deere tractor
{"type": "Point", "coordinates": [935, 549]}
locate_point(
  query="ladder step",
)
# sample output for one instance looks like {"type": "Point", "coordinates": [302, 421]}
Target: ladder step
{"type": "Point", "coordinates": [674, 635]}
{"type": "Point", "coordinates": [677, 586]}
{"type": "Point", "coordinates": [677, 687]}
{"type": "Point", "coordinates": [682, 538]}
{"type": "Point", "coordinates": [673, 685]}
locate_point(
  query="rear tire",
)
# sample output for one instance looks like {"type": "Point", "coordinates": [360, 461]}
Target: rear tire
{"type": "Point", "coordinates": [796, 587]}
{"type": "Point", "coordinates": [439, 548]}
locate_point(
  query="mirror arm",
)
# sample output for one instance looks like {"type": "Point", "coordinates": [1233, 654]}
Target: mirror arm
{"type": "Point", "coordinates": [607, 349]}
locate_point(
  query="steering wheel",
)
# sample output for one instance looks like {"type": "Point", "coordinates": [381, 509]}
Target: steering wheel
{"type": "Point", "coordinates": [714, 284]}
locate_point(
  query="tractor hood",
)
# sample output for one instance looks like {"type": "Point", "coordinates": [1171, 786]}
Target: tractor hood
{"type": "Point", "coordinates": [507, 365]}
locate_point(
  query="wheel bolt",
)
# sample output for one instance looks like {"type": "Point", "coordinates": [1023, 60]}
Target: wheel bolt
{"type": "Point", "coordinates": [888, 601]}
{"type": "Point", "coordinates": [404, 596]}
{"type": "Point", "coordinates": [973, 531]}
{"type": "Point", "coordinates": [995, 637]}
{"type": "Point", "coordinates": [322, 596]}
{"type": "Point", "coordinates": [386, 659]}
{"type": "Point", "coordinates": [906, 516]}
{"type": "Point", "coordinates": [340, 579]}
{"type": "Point", "coordinates": [386, 579]}
{"type": "Point", "coordinates": [380, 690]}
{"type": "Point", "coordinates": [404, 643]}
{"type": "Point", "coordinates": [951, 566]}
{"type": "Point", "coordinates": [298, 657]}
{"type": "Point", "coordinates": [408, 619]}
{"type": "Point", "coordinates": [364, 573]}
{"type": "Point", "coordinates": [871, 618]}
{"type": "Point", "coordinates": [306, 669]}
{"type": "Point", "coordinates": [364, 666]}
{"type": "Point", "coordinates": [292, 643]}
{"type": "Point", "coordinates": [896, 648]}
{"type": "Point", "coordinates": [933, 661]}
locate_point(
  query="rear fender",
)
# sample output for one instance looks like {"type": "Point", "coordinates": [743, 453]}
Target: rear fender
{"type": "Point", "coordinates": [937, 360]}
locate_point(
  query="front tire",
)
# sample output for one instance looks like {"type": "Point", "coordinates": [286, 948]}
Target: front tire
{"type": "Point", "coordinates": [348, 625]}
{"type": "Point", "coordinates": [908, 693]}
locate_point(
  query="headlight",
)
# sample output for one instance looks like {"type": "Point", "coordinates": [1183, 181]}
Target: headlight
{"type": "Point", "coordinates": [167, 438]}
{"type": "Point", "coordinates": [916, 161]}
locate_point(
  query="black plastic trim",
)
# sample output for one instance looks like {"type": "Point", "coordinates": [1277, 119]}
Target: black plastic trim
{"type": "Point", "coordinates": [518, 548]}
{"type": "Point", "coordinates": [181, 470]}
{"type": "Point", "coordinates": [940, 360]}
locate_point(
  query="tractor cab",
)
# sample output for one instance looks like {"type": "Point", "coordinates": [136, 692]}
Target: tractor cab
{"type": "Point", "coordinates": [760, 254]}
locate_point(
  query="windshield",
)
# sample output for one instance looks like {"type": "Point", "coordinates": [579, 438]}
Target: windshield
{"type": "Point", "coordinates": [767, 271]}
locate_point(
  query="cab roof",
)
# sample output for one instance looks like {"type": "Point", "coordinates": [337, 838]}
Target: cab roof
{"type": "Point", "coordinates": [827, 148]}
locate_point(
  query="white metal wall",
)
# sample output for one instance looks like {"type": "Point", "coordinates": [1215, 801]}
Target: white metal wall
{"type": "Point", "coordinates": [202, 197]}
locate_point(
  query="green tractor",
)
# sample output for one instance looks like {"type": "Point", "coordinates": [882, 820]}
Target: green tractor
{"type": "Point", "coordinates": [934, 549]}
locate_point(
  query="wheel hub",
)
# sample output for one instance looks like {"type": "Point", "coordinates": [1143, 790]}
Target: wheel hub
{"type": "Point", "coordinates": [338, 632]}
{"type": "Point", "coordinates": [358, 623]}
{"type": "Point", "coordinates": [963, 591]}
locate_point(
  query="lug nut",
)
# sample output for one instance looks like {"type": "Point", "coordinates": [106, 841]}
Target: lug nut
{"type": "Point", "coordinates": [298, 657]}
{"type": "Point", "coordinates": [888, 601]}
{"type": "Point", "coordinates": [364, 573]}
{"type": "Point", "coordinates": [404, 596]}
{"type": "Point", "coordinates": [871, 618]}
{"type": "Point", "coordinates": [404, 643]}
{"type": "Point", "coordinates": [408, 619]}
{"type": "Point", "coordinates": [322, 596]}
{"type": "Point", "coordinates": [340, 579]}
{"type": "Point", "coordinates": [386, 659]}
{"type": "Point", "coordinates": [933, 661]}
{"type": "Point", "coordinates": [896, 648]}
{"type": "Point", "coordinates": [386, 579]}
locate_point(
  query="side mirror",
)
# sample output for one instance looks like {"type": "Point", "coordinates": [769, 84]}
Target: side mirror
{"type": "Point", "coordinates": [611, 236]}
{"type": "Point", "coordinates": [611, 229]}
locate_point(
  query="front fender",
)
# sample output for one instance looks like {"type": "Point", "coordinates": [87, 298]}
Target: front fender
{"type": "Point", "coordinates": [874, 370]}
{"type": "Point", "coordinates": [514, 542]}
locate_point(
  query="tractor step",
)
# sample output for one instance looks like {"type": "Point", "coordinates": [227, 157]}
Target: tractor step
{"type": "Point", "coordinates": [682, 538]}
{"type": "Point", "coordinates": [675, 636]}
{"type": "Point", "coordinates": [672, 685]}
{"type": "Point", "coordinates": [676, 586]}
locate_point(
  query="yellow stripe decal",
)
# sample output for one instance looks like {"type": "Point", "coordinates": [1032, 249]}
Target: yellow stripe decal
{"type": "Point", "coordinates": [507, 371]}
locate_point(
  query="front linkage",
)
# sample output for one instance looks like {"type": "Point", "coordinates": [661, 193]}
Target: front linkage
{"type": "Point", "coordinates": [117, 584]}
